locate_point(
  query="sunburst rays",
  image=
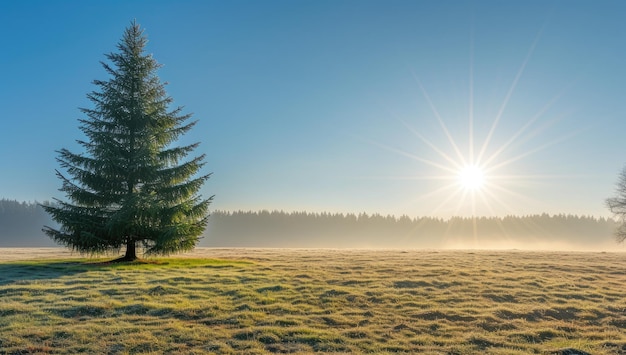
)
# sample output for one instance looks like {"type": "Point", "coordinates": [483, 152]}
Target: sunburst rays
{"type": "Point", "coordinates": [481, 173]}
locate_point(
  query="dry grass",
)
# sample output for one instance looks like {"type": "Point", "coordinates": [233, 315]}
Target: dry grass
{"type": "Point", "coordinates": [301, 301]}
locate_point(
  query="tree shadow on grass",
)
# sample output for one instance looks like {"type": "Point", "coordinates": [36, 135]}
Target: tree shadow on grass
{"type": "Point", "coordinates": [16, 272]}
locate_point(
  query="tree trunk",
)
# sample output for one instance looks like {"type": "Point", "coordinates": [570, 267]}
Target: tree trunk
{"type": "Point", "coordinates": [131, 251]}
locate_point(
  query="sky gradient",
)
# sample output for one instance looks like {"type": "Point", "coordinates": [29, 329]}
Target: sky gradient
{"type": "Point", "coordinates": [343, 106]}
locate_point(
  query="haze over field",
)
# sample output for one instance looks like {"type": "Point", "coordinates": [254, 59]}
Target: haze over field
{"type": "Point", "coordinates": [425, 109]}
{"type": "Point", "coordinates": [20, 226]}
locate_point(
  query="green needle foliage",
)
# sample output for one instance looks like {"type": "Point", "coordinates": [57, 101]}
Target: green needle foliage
{"type": "Point", "coordinates": [132, 186]}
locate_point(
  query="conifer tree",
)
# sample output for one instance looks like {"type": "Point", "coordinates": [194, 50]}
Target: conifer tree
{"type": "Point", "coordinates": [132, 186]}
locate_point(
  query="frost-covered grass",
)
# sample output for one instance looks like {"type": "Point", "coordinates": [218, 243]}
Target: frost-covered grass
{"type": "Point", "coordinates": [302, 301]}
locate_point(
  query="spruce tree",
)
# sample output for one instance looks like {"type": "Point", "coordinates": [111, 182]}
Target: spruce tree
{"type": "Point", "coordinates": [132, 186]}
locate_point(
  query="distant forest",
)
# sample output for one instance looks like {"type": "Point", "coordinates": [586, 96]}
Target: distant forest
{"type": "Point", "coordinates": [21, 224]}
{"type": "Point", "coordinates": [328, 230]}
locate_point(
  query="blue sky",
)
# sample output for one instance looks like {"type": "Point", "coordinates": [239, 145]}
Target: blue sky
{"type": "Point", "coordinates": [343, 106]}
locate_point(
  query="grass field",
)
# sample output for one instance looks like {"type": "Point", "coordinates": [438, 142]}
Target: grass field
{"type": "Point", "coordinates": [302, 301]}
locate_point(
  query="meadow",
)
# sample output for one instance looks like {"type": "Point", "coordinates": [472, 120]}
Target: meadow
{"type": "Point", "coordinates": [258, 301]}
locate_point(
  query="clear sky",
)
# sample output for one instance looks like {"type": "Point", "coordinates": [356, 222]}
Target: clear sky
{"type": "Point", "coordinates": [344, 105]}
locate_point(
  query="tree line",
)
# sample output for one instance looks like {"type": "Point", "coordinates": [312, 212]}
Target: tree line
{"type": "Point", "coordinates": [21, 225]}
{"type": "Point", "coordinates": [339, 230]}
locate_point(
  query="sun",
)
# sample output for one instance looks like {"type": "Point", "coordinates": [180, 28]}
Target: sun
{"type": "Point", "coordinates": [470, 171]}
{"type": "Point", "coordinates": [471, 177]}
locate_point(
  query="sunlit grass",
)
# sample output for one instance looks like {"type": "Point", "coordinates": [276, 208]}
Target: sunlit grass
{"type": "Point", "coordinates": [302, 301]}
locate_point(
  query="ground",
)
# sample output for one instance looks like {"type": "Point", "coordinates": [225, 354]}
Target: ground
{"type": "Point", "coordinates": [259, 301]}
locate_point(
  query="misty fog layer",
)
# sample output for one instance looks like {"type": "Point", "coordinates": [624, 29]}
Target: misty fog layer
{"type": "Point", "coordinates": [306, 230]}
{"type": "Point", "coordinates": [21, 224]}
